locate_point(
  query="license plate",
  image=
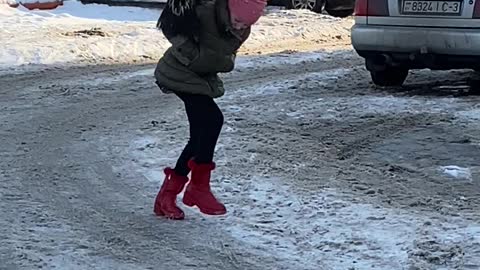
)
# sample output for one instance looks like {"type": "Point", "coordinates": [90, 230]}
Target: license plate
{"type": "Point", "coordinates": [432, 7]}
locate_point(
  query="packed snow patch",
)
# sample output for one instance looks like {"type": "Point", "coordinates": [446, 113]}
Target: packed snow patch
{"type": "Point", "coordinates": [323, 230]}
{"type": "Point", "coordinates": [471, 116]}
{"type": "Point", "coordinates": [290, 84]}
{"type": "Point", "coordinates": [457, 172]}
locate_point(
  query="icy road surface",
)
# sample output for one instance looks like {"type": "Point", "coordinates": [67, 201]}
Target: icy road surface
{"type": "Point", "coordinates": [319, 170]}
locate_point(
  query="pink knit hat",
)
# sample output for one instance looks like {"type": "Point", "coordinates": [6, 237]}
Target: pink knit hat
{"type": "Point", "coordinates": [244, 13]}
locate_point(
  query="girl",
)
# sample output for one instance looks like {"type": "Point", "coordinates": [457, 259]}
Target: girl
{"type": "Point", "coordinates": [205, 36]}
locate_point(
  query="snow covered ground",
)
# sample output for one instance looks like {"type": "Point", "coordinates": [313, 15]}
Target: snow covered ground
{"type": "Point", "coordinates": [314, 227]}
{"type": "Point", "coordinates": [76, 33]}
{"type": "Point", "coordinates": [318, 169]}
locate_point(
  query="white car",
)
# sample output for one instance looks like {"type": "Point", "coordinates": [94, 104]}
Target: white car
{"type": "Point", "coordinates": [395, 36]}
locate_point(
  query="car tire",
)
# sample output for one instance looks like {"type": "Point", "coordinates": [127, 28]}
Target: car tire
{"type": "Point", "coordinates": [313, 5]}
{"type": "Point", "coordinates": [389, 77]}
{"type": "Point", "coordinates": [340, 13]}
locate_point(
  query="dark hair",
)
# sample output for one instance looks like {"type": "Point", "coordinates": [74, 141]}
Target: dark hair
{"type": "Point", "coordinates": [179, 18]}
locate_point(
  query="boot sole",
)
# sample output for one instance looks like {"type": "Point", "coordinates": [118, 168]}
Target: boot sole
{"type": "Point", "coordinates": [160, 213]}
{"type": "Point", "coordinates": [189, 203]}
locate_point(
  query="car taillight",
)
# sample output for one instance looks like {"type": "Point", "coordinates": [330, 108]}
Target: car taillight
{"type": "Point", "coordinates": [361, 7]}
{"type": "Point", "coordinates": [476, 12]}
{"type": "Point", "coordinates": [372, 8]}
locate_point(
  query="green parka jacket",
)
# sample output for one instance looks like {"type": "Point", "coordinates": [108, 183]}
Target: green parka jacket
{"type": "Point", "coordinates": [192, 66]}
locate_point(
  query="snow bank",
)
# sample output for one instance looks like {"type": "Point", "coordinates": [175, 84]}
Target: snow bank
{"type": "Point", "coordinates": [76, 10]}
{"type": "Point", "coordinates": [79, 34]}
{"type": "Point", "coordinates": [75, 33]}
{"type": "Point", "coordinates": [11, 3]}
{"type": "Point", "coordinates": [5, 9]}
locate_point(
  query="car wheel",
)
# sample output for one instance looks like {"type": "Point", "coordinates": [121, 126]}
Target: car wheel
{"type": "Point", "coordinates": [340, 13]}
{"type": "Point", "coordinates": [313, 5]}
{"type": "Point", "coordinates": [390, 76]}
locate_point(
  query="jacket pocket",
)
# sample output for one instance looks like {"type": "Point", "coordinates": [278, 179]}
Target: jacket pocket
{"type": "Point", "coordinates": [186, 52]}
{"type": "Point", "coordinates": [213, 61]}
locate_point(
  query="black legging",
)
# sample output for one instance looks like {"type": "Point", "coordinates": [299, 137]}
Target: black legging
{"type": "Point", "coordinates": [206, 121]}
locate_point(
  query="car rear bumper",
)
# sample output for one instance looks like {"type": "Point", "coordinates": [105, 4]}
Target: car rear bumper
{"type": "Point", "coordinates": [392, 39]}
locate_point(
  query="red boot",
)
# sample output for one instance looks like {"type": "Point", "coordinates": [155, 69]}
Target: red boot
{"type": "Point", "coordinates": [166, 201]}
{"type": "Point", "coordinates": [198, 191]}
